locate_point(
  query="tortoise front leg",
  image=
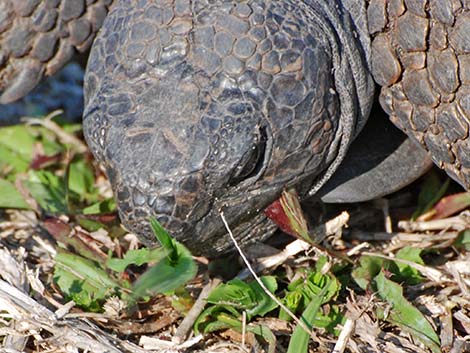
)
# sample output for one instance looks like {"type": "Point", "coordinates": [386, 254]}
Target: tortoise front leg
{"type": "Point", "coordinates": [421, 58]}
{"type": "Point", "coordinates": [38, 37]}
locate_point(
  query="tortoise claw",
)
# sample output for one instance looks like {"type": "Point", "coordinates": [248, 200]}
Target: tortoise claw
{"type": "Point", "coordinates": [26, 79]}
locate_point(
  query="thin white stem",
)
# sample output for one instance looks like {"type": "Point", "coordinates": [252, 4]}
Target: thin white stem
{"type": "Point", "coordinates": [255, 276]}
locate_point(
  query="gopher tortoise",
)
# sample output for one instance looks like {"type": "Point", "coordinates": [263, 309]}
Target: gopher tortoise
{"type": "Point", "coordinates": [197, 106]}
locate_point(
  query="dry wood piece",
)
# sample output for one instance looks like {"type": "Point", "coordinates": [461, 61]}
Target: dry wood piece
{"type": "Point", "coordinates": [193, 314]}
{"type": "Point", "coordinates": [64, 137]}
{"type": "Point", "coordinates": [333, 226]}
{"type": "Point", "coordinates": [343, 338]}
{"type": "Point", "coordinates": [35, 318]}
{"type": "Point", "coordinates": [458, 223]}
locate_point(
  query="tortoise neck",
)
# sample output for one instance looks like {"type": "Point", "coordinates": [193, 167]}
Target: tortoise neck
{"type": "Point", "coordinates": [344, 25]}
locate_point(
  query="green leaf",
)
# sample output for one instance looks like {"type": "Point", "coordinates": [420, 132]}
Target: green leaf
{"type": "Point", "coordinates": [299, 339]}
{"type": "Point", "coordinates": [234, 293]}
{"type": "Point", "coordinates": [301, 292]}
{"type": "Point", "coordinates": [49, 146]}
{"type": "Point", "coordinates": [136, 257]}
{"type": "Point", "coordinates": [90, 225]}
{"type": "Point", "coordinates": [83, 280]}
{"type": "Point", "coordinates": [291, 205]}
{"type": "Point", "coordinates": [287, 213]}
{"type": "Point", "coordinates": [431, 192]}
{"type": "Point", "coordinates": [315, 284]}
{"type": "Point", "coordinates": [330, 320]}
{"type": "Point", "coordinates": [182, 301]}
{"type": "Point", "coordinates": [213, 326]}
{"type": "Point", "coordinates": [81, 179]}
{"type": "Point", "coordinates": [451, 204]}
{"type": "Point", "coordinates": [404, 314]}
{"type": "Point", "coordinates": [166, 275]}
{"type": "Point", "coordinates": [210, 319]}
{"type": "Point", "coordinates": [248, 297]}
{"type": "Point", "coordinates": [17, 146]}
{"type": "Point", "coordinates": [265, 303]}
{"type": "Point", "coordinates": [175, 268]}
{"type": "Point", "coordinates": [265, 333]}
{"type": "Point", "coordinates": [463, 240]}
{"type": "Point", "coordinates": [369, 267]}
{"type": "Point", "coordinates": [407, 273]}
{"type": "Point", "coordinates": [294, 300]}
{"type": "Point", "coordinates": [19, 140]}
{"type": "Point", "coordinates": [224, 321]}
{"type": "Point", "coordinates": [48, 190]}
{"type": "Point", "coordinates": [10, 197]}
{"type": "Point", "coordinates": [410, 254]}
{"type": "Point", "coordinates": [167, 242]}
{"type": "Point", "coordinates": [12, 160]}
{"type": "Point", "coordinates": [320, 263]}
{"type": "Point", "coordinates": [105, 206]}
{"type": "Point", "coordinates": [230, 300]}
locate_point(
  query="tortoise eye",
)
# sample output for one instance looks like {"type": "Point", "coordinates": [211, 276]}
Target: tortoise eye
{"type": "Point", "coordinates": [251, 166]}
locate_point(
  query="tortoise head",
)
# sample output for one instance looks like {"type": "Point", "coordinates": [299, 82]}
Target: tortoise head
{"type": "Point", "coordinates": [176, 156]}
{"type": "Point", "coordinates": [196, 110]}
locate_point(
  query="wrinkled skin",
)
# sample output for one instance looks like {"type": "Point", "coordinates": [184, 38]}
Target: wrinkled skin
{"type": "Point", "coordinates": [196, 109]}
{"type": "Point", "coordinates": [193, 106]}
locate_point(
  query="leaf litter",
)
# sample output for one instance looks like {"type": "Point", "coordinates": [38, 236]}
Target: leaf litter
{"type": "Point", "coordinates": [74, 280]}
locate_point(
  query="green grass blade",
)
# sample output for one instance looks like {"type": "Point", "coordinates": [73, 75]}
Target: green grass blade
{"type": "Point", "coordinates": [167, 242]}
{"type": "Point", "coordinates": [299, 340]}
{"type": "Point", "coordinates": [405, 315]}
{"type": "Point", "coordinates": [171, 272]}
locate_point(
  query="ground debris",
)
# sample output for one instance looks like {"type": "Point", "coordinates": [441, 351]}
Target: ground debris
{"type": "Point", "coordinates": [36, 317]}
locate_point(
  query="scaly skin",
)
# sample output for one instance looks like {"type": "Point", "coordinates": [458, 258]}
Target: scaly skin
{"type": "Point", "coordinates": [193, 106]}
{"type": "Point", "coordinates": [421, 57]}
{"type": "Point", "coordinates": [38, 37]}
{"type": "Point", "coordinates": [198, 106]}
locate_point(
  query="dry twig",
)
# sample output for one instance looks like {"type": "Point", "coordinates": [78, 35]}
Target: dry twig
{"type": "Point", "coordinates": [193, 314]}
{"type": "Point", "coordinates": [63, 136]}
{"type": "Point", "coordinates": [35, 318]}
{"type": "Point", "coordinates": [458, 223]}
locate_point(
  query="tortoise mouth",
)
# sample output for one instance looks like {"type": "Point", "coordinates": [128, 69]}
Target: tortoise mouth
{"type": "Point", "coordinates": [203, 231]}
{"type": "Point", "coordinates": [255, 229]}
{"type": "Point", "coordinates": [217, 242]}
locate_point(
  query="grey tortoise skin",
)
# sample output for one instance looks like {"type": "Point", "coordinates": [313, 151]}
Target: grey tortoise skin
{"type": "Point", "coordinates": [38, 37]}
{"type": "Point", "coordinates": [193, 107]}
{"type": "Point", "coordinates": [197, 106]}
{"type": "Point", "coordinates": [421, 58]}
